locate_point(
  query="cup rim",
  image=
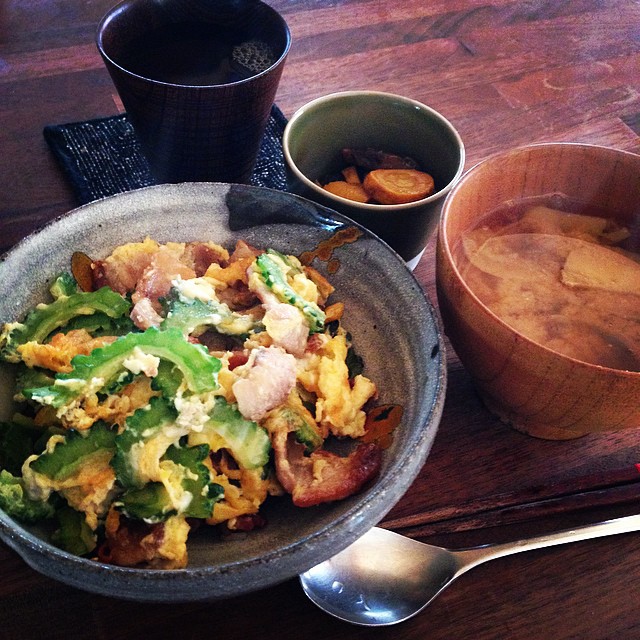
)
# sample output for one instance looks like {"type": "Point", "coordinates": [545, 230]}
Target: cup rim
{"type": "Point", "coordinates": [363, 206]}
{"type": "Point", "coordinates": [118, 8]}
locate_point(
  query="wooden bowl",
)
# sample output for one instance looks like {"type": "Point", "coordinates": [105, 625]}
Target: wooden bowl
{"type": "Point", "coordinates": [531, 387]}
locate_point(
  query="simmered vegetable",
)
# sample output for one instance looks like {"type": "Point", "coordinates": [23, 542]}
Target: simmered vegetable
{"type": "Point", "coordinates": [398, 186]}
{"type": "Point", "coordinates": [348, 190]}
{"type": "Point", "coordinates": [370, 159]}
{"type": "Point", "coordinates": [378, 177]}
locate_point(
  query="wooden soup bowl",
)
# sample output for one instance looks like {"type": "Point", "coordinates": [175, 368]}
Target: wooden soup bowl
{"type": "Point", "coordinates": [529, 386]}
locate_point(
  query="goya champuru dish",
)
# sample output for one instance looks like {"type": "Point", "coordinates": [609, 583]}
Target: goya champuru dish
{"type": "Point", "coordinates": [171, 385]}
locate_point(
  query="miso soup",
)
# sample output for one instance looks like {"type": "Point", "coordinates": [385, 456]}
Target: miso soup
{"type": "Point", "coordinates": [565, 278]}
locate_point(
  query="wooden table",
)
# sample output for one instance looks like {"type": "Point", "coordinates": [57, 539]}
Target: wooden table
{"type": "Point", "coordinates": [506, 73]}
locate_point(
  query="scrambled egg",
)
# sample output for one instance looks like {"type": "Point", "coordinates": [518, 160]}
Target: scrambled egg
{"type": "Point", "coordinates": [57, 354]}
{"type": "Point", "coordinates": [339, 405]}
{"type": "Point", "coordinates": [240, 498]}
{"type": "Point", "coordinates": [115, 408]}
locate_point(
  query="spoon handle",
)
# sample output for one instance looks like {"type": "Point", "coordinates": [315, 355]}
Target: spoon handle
{"type": "Point", "coordinates": [473, 557]}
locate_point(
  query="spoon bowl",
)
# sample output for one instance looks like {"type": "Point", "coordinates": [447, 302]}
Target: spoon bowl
{"type": "Point", "coordinates": [357, 587]}
{"type": "Point", "coordinates": [385, 578]}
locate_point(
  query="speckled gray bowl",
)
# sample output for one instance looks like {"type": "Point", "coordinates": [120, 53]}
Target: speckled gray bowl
{"type": "Point", "coordinates": [393, 326]}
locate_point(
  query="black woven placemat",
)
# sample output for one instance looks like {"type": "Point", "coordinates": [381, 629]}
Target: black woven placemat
{"type": "Point", "coordinates": [102, 157]}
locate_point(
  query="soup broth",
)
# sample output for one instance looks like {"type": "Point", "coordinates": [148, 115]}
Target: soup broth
{"type": "Point", "coordinates": [564, 278]}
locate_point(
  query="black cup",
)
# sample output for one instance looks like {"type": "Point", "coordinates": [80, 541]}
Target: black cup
{"type": "Point", "coordinates": [204, 130]}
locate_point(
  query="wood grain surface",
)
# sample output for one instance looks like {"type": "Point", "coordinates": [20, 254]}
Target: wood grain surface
{"type": "Point", "coordinates": [505, 73]}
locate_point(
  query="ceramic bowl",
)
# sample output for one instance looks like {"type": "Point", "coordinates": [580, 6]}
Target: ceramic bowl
{"type": "Point", "coordinates": [316, 133]}
{"type": "Point", "coordinates": [529, 385]}
{"type": "Point", "coordinates": [403, 352]}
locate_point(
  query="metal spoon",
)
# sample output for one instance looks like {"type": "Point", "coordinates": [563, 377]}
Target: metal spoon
{"type": "Point", "coordinates": [385, 578]}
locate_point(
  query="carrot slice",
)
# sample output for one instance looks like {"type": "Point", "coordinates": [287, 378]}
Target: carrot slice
{"type": "Point", "coordinates": [397, 186]}
{"type": "Point", "coordinates": [350, 174]}
{"type": "Point", "coordinates": [345, 190]}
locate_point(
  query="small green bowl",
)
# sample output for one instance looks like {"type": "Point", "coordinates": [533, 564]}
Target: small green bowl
{"type": "Point", "coordinates": [317, 132]}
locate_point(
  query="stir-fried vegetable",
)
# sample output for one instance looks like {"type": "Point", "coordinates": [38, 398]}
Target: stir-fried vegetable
{"type": "Point", "coordinates": [306, 431]}
{"type": "Point", "coordinates": [145, 426]}
{"type": "Point", "coordinates": [15, 501]}
{"type": "Point", "coordinates": [105, 366]}
{"type": "Point", "coordinates": [72, 451]}
{"type": "Point", "coordinates": [275, 277]}
{"type": "Point", "coordinates": [181, 398]}
{"type": "Point", "coordinates": [46, 318]}
{"type": "Point", "coordinates": [247, 441]}
{"type": "Point", "coordinates": [19, 440]}
{"type": "Point", "coordinates": [64, 285]}
{"type": "Point", "coordinates": [73, 533]}
{"type": "Point", "coordinates": [187, 490]}
{"type": "Point", "coordinates": [194, 316]}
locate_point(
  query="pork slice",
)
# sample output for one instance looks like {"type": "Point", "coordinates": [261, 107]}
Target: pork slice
{"type": "Point", "coordinates": [270, 379]}
{"type": "Point", "coordinates": [322, 476]}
